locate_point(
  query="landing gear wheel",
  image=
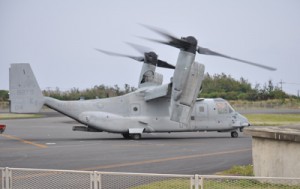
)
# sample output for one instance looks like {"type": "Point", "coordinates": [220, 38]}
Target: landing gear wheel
{"type": "Point", "coordinates": [126, 135]}
{"type": "Point", "coordinates": [234, 134]}
{"type": "Point", "coordinates": [136, 136]}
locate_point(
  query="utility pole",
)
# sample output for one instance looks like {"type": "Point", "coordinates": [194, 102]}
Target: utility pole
{"type": "Point", "coordinates": [281, 82]}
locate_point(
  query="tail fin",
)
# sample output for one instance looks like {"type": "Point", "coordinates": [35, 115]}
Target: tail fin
{"type": "Point", "coordinates": [24, 92]}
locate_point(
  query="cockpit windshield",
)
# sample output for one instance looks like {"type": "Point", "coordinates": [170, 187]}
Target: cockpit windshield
{"type": "Point", "coordinates": [223, 107]}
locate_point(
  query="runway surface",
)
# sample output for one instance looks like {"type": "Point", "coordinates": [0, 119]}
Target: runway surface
{"type": "Point", "coordinates": [50, 143]}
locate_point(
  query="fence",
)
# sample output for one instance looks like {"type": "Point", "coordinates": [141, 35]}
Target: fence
{"type": "Point", "coordinates": [15, 178]}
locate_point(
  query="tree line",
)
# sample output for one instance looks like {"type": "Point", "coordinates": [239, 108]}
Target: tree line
{"type": "Point", "coordinates": [98, 91]}
{"type": "Point", "coordinates": [224, 86]}
{"type": "Point", "coordinates": [213, 86]}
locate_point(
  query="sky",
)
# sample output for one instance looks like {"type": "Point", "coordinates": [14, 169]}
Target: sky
{"type": "Point", "coordinates": [58, 37]}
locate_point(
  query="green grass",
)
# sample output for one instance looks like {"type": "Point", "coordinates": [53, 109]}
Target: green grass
{"type": "Point", "coordinates": [239, 170]}
{"type": "Point", "coordinates": [242, 184]}
{"type": "Point", "coordinates": [166, 184]}
{"type": "Point", "coordinates": [215, 183]}
{"type": "Point", "coordinates": [219, 183]}
{"type": "Point", "coordinates": [273, 119]}
{"type": "Point", "coordinates": [18, 116]}
{"type": "Point", "coordinates": [266, 104]}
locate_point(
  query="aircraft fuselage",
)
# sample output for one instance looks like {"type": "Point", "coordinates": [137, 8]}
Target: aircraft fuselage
{"type": "Point", "coordinates": [131, 113]}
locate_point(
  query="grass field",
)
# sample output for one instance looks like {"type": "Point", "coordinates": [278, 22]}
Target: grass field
{"type": "Point", "coordinates": [238, 170]}
{"type": "Point", "coordinates": [220, 183]}
{"type": "Point", "coordinates": [265, 104]}
{"type": "Point", "coordinates": [273, 119]}
{"type": "Point", "coordinates": [216, 183]}
{"type": "Point", "coordinates": [18, 116]}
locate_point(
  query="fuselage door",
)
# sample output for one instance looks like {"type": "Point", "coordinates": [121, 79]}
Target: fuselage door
{"type": "Point", "coordinates": [199, 119]}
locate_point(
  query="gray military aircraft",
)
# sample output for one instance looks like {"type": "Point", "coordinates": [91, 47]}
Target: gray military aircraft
{"type": "Point", "coordinates": [153, 107]}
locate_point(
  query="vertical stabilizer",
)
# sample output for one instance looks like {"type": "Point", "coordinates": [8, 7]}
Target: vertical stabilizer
{"type": "Point", "coordinates": [24, 92]}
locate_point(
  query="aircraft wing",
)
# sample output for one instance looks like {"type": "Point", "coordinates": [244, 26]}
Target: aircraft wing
{"type": "Point", "coordinates": [152, 93]}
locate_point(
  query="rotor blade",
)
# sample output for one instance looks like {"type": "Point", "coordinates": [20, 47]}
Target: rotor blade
{"type": "Point", "coordinates": [206, 51]}
{"type": "Point", "coordinates": [164, 64]}
{"type": "Point", "coordinates": [183, 44]}
{"type": "Point", "coordinates": [172, 40]}
{"type": "Point", "coordinates": [138, 58]}
{"type": "Point", "coordinates": [139, 48]}
{"type": "Point", "coordinates": [154, 40]}
{"type": "Point", "coordinates": [159, 31]}
{"type": "Point", "coordinates": [142, 49]}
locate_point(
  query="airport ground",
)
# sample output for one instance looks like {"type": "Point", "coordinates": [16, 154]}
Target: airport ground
{"type": "Point", "coordinates": [50, 143]}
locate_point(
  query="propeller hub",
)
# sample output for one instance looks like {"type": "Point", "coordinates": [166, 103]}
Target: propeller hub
{"type": "Point", "coordinates": [192, 40]}
{"type": "Point", "coordinates": [192, 44]}
{"type": "Point", "coordinates": [151, 57]}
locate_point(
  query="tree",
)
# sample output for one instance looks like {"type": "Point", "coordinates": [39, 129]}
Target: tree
{"type": "Point", "coordinates": [224, 86]}
{"type": "Point", "coordinates": [4, 95]}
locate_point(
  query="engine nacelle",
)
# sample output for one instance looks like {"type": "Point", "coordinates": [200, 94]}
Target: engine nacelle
{"type": "Point", "coordinates": [149, 76]}
{"type": "Point", "coordinates": [187, 80]}
{"type": "Point", "coordinates": [193, 85]}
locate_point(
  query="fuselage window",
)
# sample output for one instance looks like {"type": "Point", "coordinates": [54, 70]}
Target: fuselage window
{"type": "Point", "coordinates": [135, 109]}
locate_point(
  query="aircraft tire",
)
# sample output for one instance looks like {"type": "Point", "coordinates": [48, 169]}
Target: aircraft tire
{"type": "Point", "coordinates": [126, 135]}
{"type": "Point", "coordinates": [234, 134]}
{"type": "Point", "coordinates": [136, 136]}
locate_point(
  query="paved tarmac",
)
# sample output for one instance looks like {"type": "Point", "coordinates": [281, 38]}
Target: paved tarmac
{"type": "Point", "coordinates": [50, 143]}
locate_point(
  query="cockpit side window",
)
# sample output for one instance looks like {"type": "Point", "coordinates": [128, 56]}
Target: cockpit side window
{"type": "Point", "coordinates": [230, 109]}
{"type": "Point", "coordinates": [223, 107]}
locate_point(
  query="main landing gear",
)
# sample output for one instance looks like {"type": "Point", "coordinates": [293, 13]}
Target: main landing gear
{"type": "Point", "coordinates": [234, 134]}
{"type": "Point", "coordinates": [134, 136]}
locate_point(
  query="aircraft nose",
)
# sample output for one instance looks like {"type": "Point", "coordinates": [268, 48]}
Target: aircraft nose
{"type": "Point", "coordinates": [246, 124]}
{"type": "Point", "coordinates": [244, 121]}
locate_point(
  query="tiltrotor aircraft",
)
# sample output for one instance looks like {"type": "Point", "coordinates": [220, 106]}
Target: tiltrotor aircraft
{"type": "Point", "coordinates": [153, 107]}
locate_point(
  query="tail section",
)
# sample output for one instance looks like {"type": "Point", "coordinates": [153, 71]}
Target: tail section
{"type": "Point", "coordinates": [24, 92]}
